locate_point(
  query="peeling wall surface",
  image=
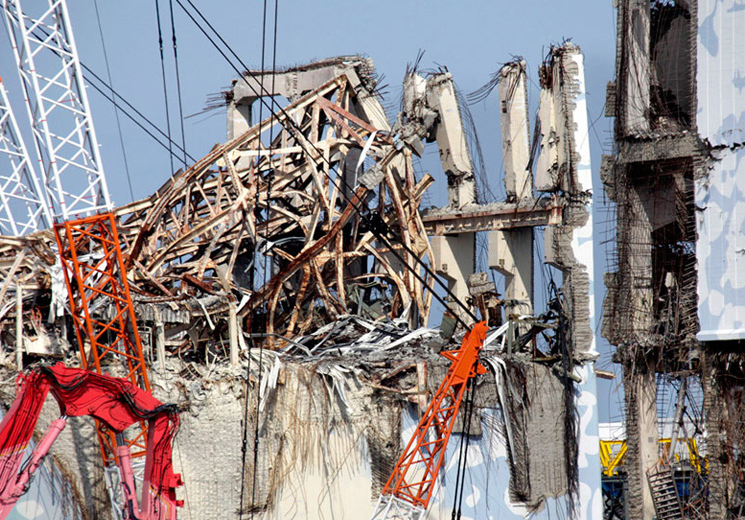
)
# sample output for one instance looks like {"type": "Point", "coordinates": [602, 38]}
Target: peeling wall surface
{"type": "Point", "coordinates": [720, 195]}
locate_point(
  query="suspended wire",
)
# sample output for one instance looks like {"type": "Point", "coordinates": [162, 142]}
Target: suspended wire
{"type": "Point", "coordinates": [112, 100]}
{"type": "Point", "coordinates": [293, 127]}
{"type": "Point", "coordinates": [106, 87]}
{"type": "Point", "coordinates": [178, 80]}
{"type": "Point", "coordinates": [165, 85]}
{"type": "Point", "coordinates": [116, 110]}
{"type": "Point", "coordinates": [131, 107]}
{"type": "Point", "coordinates": [265, 268]}
{"type": "Point", "coordinates": [463, 451]}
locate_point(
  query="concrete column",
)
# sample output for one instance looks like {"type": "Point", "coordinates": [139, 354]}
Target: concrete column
{"type": "Point", "coordinates": [511, 254]}
{"type": "Point", "coordinates": [238, 119]}
{"type": "Point", "coordinates": [511, 251]}
{"type": "Point", "coordinates": [455, 260]}
{"type": "Point", "coordinates": [641, 438]}
{"type": "Point", "coordinates": [513, 115]}
{"type": "Point", "coordinates": [636, 74]}
{"type": "Point", "coordinates": [451, 140]}
{"type": "Point", "coordinates": [639, 258]}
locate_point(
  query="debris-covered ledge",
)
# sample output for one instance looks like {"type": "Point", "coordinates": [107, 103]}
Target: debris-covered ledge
{"type": "Point", "coordinates": [335, 406]}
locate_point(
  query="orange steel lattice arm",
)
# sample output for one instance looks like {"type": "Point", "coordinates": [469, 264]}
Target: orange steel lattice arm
{"type": "Point", "coordinates": [94, 270]}
{"type": "Point", "coordinates": [415, 473]}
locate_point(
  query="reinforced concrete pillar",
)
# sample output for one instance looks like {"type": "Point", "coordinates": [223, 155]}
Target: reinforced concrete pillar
{"type": "Point", "coordinates": [511, 254]}
{"type": "Point", "coordinates": [511, 250]}
{"type": "Point", "coordinates": [513, 116]}
{"type": "Point", "coordinates": [238, 119]}
{"type": "Point", "coordinates": [451, 140]}
{"type": "Point", "coordinates": [637, 72]}
{"type": "Point", "coordinates": [455, 261]}
{"type": "Point", "coordinates": [641, 438]}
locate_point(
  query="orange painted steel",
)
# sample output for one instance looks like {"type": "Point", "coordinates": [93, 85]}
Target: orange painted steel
{"type": "Point", "coordinates": [415, 473]}
{"type": "Point", "coordinates": [94, 268]}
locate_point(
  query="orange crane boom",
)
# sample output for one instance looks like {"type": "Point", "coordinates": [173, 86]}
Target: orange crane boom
{"type": "Point", "coordinates": [94, 270]}
{"type": "Point", "coordinates": [409, 489]}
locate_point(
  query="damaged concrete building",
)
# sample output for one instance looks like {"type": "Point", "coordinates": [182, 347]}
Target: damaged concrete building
{"type": "Point", "coordinates": [284, 286]}
{"type": "Point", "coordinates": [674, 303]}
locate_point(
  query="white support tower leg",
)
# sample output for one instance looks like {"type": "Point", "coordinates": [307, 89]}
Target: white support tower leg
{"type": "Point", "coordinates": [58, 107]}
{"type": "Point", "coordinates": [24, 207]}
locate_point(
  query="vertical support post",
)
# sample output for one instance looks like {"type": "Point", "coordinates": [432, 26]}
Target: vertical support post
{"type": "Point", "coordinates": [160, 340]}
{"type": "Point", "coordinates": [646, 415]}
{"type": "Point", "coordinates": [454, 257]}
{"type": "Point", "coordinates": [451, 140]}
{"type": "Point", "coordinates": [511, 250]}
{"type": "Point", "coordinates": [636, 65]}
{"type": "Point", "coordinates": [421, 383]}
{"type": "Point", "coordinates": [238, 120]}
{"type": "Point", "coordinates": [233, 332]}
{"type": "Point", "coordinates": [511, 254]}
{"type": "Point", "coordinates": [513, 115]}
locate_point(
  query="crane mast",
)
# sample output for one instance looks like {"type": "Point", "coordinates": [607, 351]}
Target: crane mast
{"type": "Point", "coordinates": [58, 109]}
{"type": "Point", "coordinates": [23, 204]}
{"type": "Point", "coordinates": [78, 205]}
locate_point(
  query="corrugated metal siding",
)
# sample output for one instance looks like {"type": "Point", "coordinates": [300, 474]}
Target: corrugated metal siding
{"type": "Point", "coordinates": [721, 71]}
{"type": "Point", "coordinates": [720, 196]}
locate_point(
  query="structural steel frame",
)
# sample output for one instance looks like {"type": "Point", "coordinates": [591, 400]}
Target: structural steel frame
{"type": "Point", "coordinates": [23, 206]}
{"type": "Point", "coordinates": [58, 108]}
{"type": "Point", "coordinates": [94, 270]}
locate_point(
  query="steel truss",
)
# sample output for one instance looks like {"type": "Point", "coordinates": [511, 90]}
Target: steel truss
{"type": "Point", "coordinates": [23, 208]}
{"type": "Point", "coordinates": [94, 281]}
{"type": "Point", "coordinates": [58, 108]}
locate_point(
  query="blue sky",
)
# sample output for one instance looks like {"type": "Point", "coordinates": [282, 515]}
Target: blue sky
{"type": "Point", "coordinates": [471, 38]}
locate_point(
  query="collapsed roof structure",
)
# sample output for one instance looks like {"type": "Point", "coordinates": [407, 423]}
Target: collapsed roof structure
{"type": "Point", "coordinates": [284, 282]}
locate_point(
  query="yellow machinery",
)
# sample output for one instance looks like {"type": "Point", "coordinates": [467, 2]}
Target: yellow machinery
{"type": "Point", "coordinates": [613, 454]}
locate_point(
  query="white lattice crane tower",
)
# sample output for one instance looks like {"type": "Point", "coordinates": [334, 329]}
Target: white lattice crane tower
{"type": "Point", "coordinates": [64, 138]}
{"type": "Point", "coordinates": [24, 207]}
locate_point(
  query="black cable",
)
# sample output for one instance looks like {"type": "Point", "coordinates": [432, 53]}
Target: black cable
{"type": "Point", "coordinates": [116, 110]}
{"type": "Point", "coordinates": [148, 132]}
{"type": "Point", "coordinates": [130, 106]}
{"type": "Point", "coordinates": [165, 85]}
{"type": "Point", "coordinates": [292, 126]}
{"type": "Point", "coordinates": [264, 274]}
{"type": "Point", "coordinates": [463, 452]}
{"type": "Point", "coordinates": [178, 80]}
